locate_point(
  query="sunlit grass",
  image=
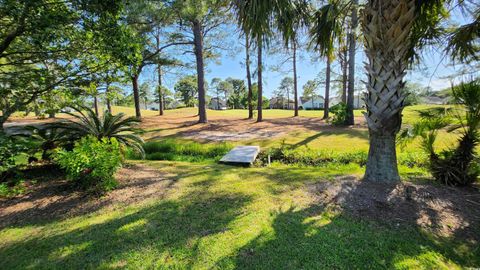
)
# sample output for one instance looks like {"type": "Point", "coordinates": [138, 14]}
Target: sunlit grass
{"type": "Point", "coordinates": [223, 217]}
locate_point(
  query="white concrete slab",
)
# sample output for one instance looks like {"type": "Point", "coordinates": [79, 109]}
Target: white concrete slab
{"type": "Point", "coordinates": [241, 155]}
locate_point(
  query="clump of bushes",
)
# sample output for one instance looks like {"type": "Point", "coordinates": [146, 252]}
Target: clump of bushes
{"type": "Point", "coordinates": [308, 157]}
{"type": "Point", "coordinates": [92, 163]}
{"type": "Point", "coordinates": [339, 112]}
{"type": "Point", "coordinates": [11, 149]}
{"type": "Point", "coordinates": [176, 150]}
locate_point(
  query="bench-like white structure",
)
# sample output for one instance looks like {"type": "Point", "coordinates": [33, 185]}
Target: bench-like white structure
{"type": "Point", "coordinates": [241, 155]}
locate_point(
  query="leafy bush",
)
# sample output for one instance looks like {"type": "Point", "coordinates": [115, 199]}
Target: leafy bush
{"type": "Point", "coordinates": [308, 157]}
{"type": "Point", "coordinates": [92, 163]}
{"type": "Point", "coordinates": [339, 112]}
{"type": "Point", "coordinates": [12, 189]}
{"type": "Point", "coordinates": [10, 149]}
{"type": "Point", "coordinates": [288, 155]}
{"type": "Point", "coordinates": [175, 150]}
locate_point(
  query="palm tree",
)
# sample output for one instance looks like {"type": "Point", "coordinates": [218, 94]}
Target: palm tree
{"type": "Point", "coordinates": [392, 31]}
{"type": "Point", "coordinates": [86, 122]}
{"type": "Point", "coordinates": [257, 19]}
{"type": "Point", "coordinates": [326, 29]}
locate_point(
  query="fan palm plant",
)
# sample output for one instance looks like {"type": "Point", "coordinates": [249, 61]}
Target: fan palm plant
{"type": "Point", "coordinates": [456, 166]}
{"type": "Point", "coordinates": [86, 122]}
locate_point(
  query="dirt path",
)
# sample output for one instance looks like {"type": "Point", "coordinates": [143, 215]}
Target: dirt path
{"type": "Point", "coordinates": [233, 128]}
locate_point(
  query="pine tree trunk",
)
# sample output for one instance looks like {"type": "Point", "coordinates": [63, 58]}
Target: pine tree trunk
{"type": "Point", "coordinates": [160, 93]}
{"type": "Point", "coordinates": [344, 75]}
{"type": "Point", "coordinates": [107, 100]}
{"type": "Point", "coordinates": [386, 26]}
{"type": "Point", "coordinates": [136, 96]}
{"type": "Point", "coordinates": [260, 86]}
{"type": "Point", "coordinates": [295, 82]}
{"type": "Point", "coordinates": [326, 106]}
{"type": "Point", "coordinates": [95, 104]}
{"type": "Point", "coordinates": [249, 77]}
{"type": "Point", "coordinates": [350, 120]}
{"type": "Point", "coordinates": [198, 41]}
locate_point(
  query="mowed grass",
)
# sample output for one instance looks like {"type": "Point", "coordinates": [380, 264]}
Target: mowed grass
{"type": "Point", "coordinates": [223, 217]}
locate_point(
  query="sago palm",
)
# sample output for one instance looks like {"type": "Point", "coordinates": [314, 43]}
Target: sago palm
{"type": "Point", "coordinates": [86, 122]}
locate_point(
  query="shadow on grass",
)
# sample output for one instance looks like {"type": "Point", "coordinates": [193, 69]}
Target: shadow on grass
{"type": "Point", "coordinates": [306, 239]}
{"type": "Point", "coordinates": [170, 228]}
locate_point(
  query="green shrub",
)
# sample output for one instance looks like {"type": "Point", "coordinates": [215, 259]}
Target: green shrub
{"type": "Point", "coordinates": [92, 163]}
{"type": "Point", "coordinates": [339, 112]}
{"type": "Point", "coordinates": [177, 150]}
{"type": "Point", "coordinates": [10, 150]}
{"type": "Point", "coordinates": [12, 189]}
{"type": "Point", "coordinates": [288, 155]}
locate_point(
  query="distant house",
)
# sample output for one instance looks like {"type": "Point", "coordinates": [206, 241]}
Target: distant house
{"type": "Point", "coordinates": [281, 103]}
{"type": "Point", "coordinates": [358, 102]}
{"type": "Point", "coordinates": [434, 100]}
{"type": "Point", "coordinates": [317, 102]}
{"type": "Point", "coordinates": [217, 104]}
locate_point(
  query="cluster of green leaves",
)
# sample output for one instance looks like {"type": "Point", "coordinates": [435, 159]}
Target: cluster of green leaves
{"type": "Point", "coordinates": [10, 149]}
{"type": "Point", "coordinates": [92, 163]}
{"type": "Point", "coordinates": [176, 150]}
{"type": "Point", "coordinates": [12, 188]}
{"type": "Point", "coordinates": [339, 113]}
{"type": "Point", "coordinates": [308, 157]}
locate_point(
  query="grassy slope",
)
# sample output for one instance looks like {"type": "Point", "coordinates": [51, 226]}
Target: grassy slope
{"type": "Point", "coordinates": [222, 217]}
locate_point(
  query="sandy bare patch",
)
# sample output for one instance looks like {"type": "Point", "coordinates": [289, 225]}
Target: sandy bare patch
{"type": "Point", "coordinates": [233, 129]}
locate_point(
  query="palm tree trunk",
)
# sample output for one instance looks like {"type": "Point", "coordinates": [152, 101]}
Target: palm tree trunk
{"type": "Point", "coordinates": [350, 120]}
{"type": "Point", "coordinates": [387, 27]}
{"type": "Point", "coordinates": [160, 92]}
{"type": "Point", "coordinates": [295, 82]}
{"type": "Point", "coordinates": [249, 77]}
{"type": "Point", "coordinates": [260, 86]}
{"type": "Point", "coordinates": [198, 42]}
{"type": "Point", "coordinates": [136, 96]}
{"type": "Point", "coordinates": [326, 106]}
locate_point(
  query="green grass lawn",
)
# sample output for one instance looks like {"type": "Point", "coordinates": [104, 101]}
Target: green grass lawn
{"type": "Point", "coordinates": [223, 217]}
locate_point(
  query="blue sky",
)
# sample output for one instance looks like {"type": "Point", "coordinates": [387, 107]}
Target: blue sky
{"type": "Point", "coordinates": [433, 69]}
